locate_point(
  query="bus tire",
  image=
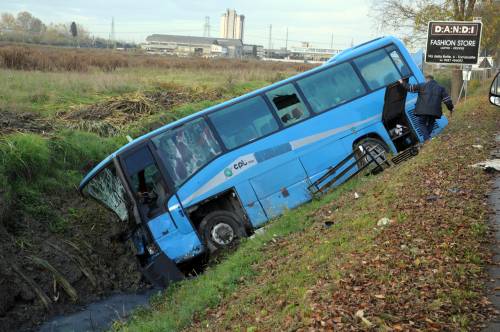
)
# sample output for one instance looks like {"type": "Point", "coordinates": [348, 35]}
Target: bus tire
{"type": "Point", "coordinates": [369, 143]}
{"type": "Point", "coordinates": [220, 229]}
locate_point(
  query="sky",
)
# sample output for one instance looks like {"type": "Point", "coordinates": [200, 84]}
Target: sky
{"type": "Point", "coordinates": [315, 21]}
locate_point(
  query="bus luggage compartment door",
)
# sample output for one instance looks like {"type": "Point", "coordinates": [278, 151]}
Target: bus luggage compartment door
{"type": "Point", "coordinates": [282, 187]}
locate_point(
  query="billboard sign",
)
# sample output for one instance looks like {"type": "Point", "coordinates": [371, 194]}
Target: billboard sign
{"type": "Point", "coordinates": [453, 43]}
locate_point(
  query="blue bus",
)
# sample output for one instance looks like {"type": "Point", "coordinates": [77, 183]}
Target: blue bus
{"type": "Point", "coordinates": [197, 184]}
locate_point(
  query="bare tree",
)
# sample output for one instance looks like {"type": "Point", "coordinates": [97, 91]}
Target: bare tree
{"type": "Point", "coordinates": [410, 18]}
{"type": "Point", "coordinates": [489, 11]}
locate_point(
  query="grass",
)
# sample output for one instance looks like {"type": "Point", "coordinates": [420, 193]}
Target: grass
{"type": "Point", "coordinates": [300, 274]}
{"type": "Point", "coordinates": [47, 93]}
{"type": "Point", "coordinates": [37, 169]}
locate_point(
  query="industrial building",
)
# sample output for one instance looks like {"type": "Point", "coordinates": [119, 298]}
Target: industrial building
{"type": "Point", "coordinates": [312, 53]}
{"type": "Point", "coordinates": [193, 46]}
{"type": "Point", "coordinates": [307, 54]}
{"type": "Point", "coordinates": [232, 25]}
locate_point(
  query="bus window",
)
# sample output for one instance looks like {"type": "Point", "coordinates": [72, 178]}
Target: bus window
{"type": "Point", "coordinates": [244, 122]}
{"type": "Point", "coordinates": [331, 87]}
{"type": "Point", "coordinates": [107, 188]}
{"type": "Point", "coordinates": [377, 69]}
{"type": "Point", "coordinates": [146, 181]}
{"type": "Point", "coordinates": [396, 57]}
{"type": "Point", "coordinates": [186, 149]}
{"type": "Point", "coordinates": [287, 103]}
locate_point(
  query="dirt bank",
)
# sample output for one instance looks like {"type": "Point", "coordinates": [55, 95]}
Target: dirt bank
{"type": "Point", "coordinates": [45, 273]}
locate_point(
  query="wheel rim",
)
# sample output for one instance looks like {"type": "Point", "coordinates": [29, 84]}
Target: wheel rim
{"type": "Point", "coordinates": [222, 234]}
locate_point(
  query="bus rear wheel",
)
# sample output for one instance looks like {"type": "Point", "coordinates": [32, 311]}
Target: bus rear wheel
{"type": "Point", "coordinates": [220, 229]}
{"type": "Point", "coordinates": [375, 145]}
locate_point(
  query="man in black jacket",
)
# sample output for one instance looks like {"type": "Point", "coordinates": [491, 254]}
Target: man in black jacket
{"type": "Point", "coordinates": [430, 97]}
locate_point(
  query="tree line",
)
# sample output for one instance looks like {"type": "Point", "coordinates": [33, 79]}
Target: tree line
{"type": "Point", "coordinates": [26, 28]}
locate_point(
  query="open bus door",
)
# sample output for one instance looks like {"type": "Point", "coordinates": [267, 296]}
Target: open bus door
{"type": "Point", "coordinates": [175, 239]}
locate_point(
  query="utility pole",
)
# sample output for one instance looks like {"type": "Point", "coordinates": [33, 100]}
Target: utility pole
{"type": "Point", "coordinates": [269, 45]}
{"type": "Point", "coordinates": [206, 27]}
{"type": "Point", "coordinates": [331, 42]}
{"type": "Point", "coordinates": [112, 34]}
{"type": "Point", "coordinates": [286, 40]}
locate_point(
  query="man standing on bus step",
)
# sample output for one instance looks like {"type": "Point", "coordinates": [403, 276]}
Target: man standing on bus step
{"type": "Point", "coordinates": [430, 97]}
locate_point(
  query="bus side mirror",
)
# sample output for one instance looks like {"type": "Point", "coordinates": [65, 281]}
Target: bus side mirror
{"type": "Point", "coordinates": [495, 91]}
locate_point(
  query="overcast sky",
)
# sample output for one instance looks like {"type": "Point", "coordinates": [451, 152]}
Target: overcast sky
{"type": "Point", "coordinates": [310, 20]}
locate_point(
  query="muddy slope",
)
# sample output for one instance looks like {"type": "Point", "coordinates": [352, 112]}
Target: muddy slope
{"type": "Point", "coordinates": [45, 273]}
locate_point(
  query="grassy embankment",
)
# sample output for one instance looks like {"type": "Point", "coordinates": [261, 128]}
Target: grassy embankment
{"type": "Point", "coordinates": [423, 271]}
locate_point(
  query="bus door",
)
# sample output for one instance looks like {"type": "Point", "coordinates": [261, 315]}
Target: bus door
{"type": "Point", "coordinates": [158, 206]}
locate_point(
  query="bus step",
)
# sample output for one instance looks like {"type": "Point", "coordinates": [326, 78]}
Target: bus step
{"type": "Point", "coordinates": [405, 155]}
{"type": "Point", "coordinates": [318, 187]}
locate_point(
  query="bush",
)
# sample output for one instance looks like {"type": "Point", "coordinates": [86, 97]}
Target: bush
{"type": "Point", "coordinates": [24, 156]}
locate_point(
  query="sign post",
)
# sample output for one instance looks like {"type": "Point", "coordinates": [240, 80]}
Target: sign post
{"type": "Point", "coordinates": [466, 73]}
{"type": "Point", "coordinates": [454, 43]}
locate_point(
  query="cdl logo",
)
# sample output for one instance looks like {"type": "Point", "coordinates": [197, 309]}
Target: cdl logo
{"type": "Point", "coordinates": [454, 29]}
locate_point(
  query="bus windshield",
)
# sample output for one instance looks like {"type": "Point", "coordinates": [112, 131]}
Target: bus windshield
{"type": "Point", "coordinates": [186, 149]}
{"type": "Point", "coordinates": [107, 188]}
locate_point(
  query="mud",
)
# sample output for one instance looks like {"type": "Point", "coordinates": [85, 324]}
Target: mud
{"type": "Point", "coordinates": [91, 258]}
{"type": "Point", "coordinates": [22, 122]}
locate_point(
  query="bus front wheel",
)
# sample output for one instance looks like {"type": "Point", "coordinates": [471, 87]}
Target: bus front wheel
{"type": "Point", "coordinates": [220, 229]}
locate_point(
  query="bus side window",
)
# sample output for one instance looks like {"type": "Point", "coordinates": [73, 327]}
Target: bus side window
{"type": "Point", "coordinates": [377, 69]}
{"type": "Point", "coordinates": [244, 122]}
{"type": "Point", "coordinates": [146, 182]}
{"type": "Point", "coordinates": [328, 88]}
{"type": "Point", "coordinates": [287, 103]}
{"type": "Point", "coordinates": [396, 57]}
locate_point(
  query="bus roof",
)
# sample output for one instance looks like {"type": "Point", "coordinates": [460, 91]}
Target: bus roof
{"type": "Point", "coordinates": [342, 56]}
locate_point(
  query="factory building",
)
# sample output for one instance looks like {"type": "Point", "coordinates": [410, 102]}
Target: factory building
{"type": "Point", "coordinates": [193, 46]}
{"type": "Point", "coordinates": [308, 53]}
{"type": "Point", "coordinates": [232, 25]}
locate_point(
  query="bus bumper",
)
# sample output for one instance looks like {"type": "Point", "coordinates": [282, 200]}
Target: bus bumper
{"type": "Point", "coordinates": [161, 271]}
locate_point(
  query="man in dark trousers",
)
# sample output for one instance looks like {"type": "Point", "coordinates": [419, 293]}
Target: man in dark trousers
{"type": "Point", "coordinates": [430, 97]}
